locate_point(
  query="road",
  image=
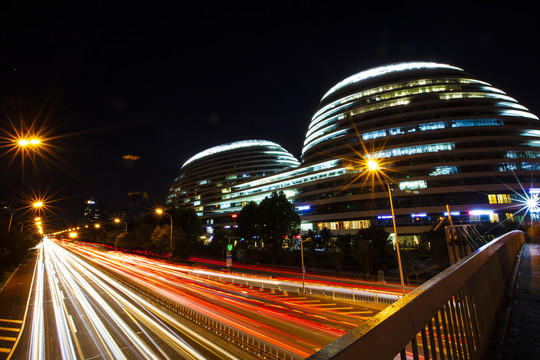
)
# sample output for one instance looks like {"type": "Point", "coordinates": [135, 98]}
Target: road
{"type": "Point", "coordinates": [312, 279]}
{"type": "Point", "coordinates": [296, 324]}
{"type": "Point", "coordinates": [77, 308]}
{"type": "Point", "coordinates": [78, 312]}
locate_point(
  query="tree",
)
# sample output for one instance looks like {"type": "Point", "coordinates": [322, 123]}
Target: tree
{"type": "Point", "coordinates": [186, 231]}
{"type": "Point", "coordinates": [312, 248]}
{"type": "Point", "coordinates": [337, 248]}
{"type": "Point", "coordinates": [137, 239]}
{"type": "Point", "coordinates": [161, 239]}
{"type": "Point", "coordinates": [371, 246]}
{"type": "Point", "coordinates": [248, 222]}
{"type": "Point", "coordinates": [437, 246]}
{"type": "Point", "coordinates": [365, 255]}
{"type": "Point", "coordinates": [277, 220]}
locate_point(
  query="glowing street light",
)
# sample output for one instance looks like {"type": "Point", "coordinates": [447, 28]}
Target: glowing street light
{"type": "Point", "coordinates": [35, 205]}
{"type": "Point", "coordinates": [373, 166]}
{"type": "Point", "coordinates": [118, 221]}
{"type": "Point", "coordinates": [26, 142]}
{"type": "Point", "coordinates": [160, 211]}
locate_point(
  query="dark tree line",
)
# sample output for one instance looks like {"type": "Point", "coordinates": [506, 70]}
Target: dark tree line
{"type": "Point", "coordinates": [369, 250]}
{"type": "Point", "coordinates": [14, 246]}
{"type": "Point", "coordinates": [269, 226]}
{"type": "Point", "coordinates": [152, 234]}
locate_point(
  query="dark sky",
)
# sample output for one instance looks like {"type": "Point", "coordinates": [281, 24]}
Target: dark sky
{"type": "Point", "coordinates": [164, 80]}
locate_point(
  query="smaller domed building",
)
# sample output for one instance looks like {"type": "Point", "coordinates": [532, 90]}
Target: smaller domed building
{"type": "Point", "coordinates": [206, 179]}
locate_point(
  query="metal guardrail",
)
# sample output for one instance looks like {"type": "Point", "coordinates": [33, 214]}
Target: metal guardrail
{"type": "Point", "coordinates": [336, 293]}
{"type": "Point", "coordinates": [462, 240]}
{"type": "Point", "coordinates": [233, 336]}
{"type": "Point", "coordinates": [451, 316]}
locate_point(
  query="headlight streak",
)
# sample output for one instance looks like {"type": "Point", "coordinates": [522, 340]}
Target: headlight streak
{"type": "Point", "coordinates": [60, 311]}
{"type": "Point", "coordinates": [217, 301]}
{"type": "Point", "coordinates": [67, 275]}
{"type": "Point", "coordinates": [234, 319]}
{"type": "Point", "coordinates": [37, 342]}
{"type": "Point", "coordinates": [130, 309]}
{"type": "Point", "coordinates": [151, 322]}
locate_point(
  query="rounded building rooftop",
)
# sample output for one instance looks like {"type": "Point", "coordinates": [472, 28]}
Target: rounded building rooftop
{"type": "Point", "coordinates": [395, 100]}
{"type": "Point", "coordinates": [208, 175]}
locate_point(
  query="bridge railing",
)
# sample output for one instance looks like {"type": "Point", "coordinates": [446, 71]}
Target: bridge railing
{"type": "Point", "coordinates": [452, 316]}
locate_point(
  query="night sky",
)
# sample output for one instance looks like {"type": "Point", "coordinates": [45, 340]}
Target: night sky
{"type": "Point", "coordinates": [163, 80]}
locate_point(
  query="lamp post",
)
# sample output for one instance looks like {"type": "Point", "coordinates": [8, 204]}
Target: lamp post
{"type": "Point", "coordinates": [36, 205]}
{"type": "Point", "coordinates": [302, 241]}
{"type": "Point", "coordinates": [162, 212]}
{"type": "Point", "coordinates": [118, 221]}
{"type": "Point", "coordinates": [26, 142]}
{"type": "Point", "coordinates": [374, 166]}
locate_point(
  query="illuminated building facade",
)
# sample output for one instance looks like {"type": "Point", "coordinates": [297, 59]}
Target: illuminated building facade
{"type": "Point", "coordinates": [443, 136]}
{"type": "Point", "coordinates": [207, 179]}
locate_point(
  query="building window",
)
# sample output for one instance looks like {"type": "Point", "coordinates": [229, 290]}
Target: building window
{"type": "Point", "coordinates": [412, 185]}
{"type": "Point", "coordinates": [344, 225]}
{"type": "Point", "coordinates": [500, 198]}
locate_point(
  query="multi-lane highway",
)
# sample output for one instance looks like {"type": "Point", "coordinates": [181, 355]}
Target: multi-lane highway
{"type": "Point", "coordinates": [78, 312]}
{"type": "Point", "coordinates": [89, 303]}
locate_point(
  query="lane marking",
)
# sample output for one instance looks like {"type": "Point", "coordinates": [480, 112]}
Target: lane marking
{"type": "Point", "coordinates": [357, 312]}
{"type": "Point", "coordinates": [5, 351]}
{"type": "Point", "coordinates": [11, 321]}
{"type": "Point", "coordinates": [7, 338]}
{"type": "Point", "coordinates": [10, 329]}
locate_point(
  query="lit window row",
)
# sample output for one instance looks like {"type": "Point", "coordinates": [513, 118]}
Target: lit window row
{"type": "Point", "coordinates": [384, 93]}
{"type": "Point", "coordinates": [474, 95]}
{"type": "Point", "coordinates": [500, 198]}
{"type": "Point", "coordinates": [444, 170]}
{"type": "Point", "coordinates": [411, 150]}
{"type": "Point", "coordinates": [413, 185]}
{"type": "Point", "coordinates": [519, 166]}
{"type": "Point", "coordinates": [344, 225]}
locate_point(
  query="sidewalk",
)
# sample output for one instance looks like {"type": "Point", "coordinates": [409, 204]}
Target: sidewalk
{"type": "Point", "coordinates": [13, 303]}
{"type": "Point", "coordinates": [523, 331]}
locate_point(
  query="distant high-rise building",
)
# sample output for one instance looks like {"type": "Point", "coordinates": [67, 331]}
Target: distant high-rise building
{"type": "Point", "coordinates": [93, 213]}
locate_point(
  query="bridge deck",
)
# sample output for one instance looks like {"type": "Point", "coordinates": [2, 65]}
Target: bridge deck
{"type": "Point", "coordinates": [522, 336]}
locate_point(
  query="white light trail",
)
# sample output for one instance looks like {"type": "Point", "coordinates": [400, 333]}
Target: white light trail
{"type": "Point", "coordinates": [78, 287]}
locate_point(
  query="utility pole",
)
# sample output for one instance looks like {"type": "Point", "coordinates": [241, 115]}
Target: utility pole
{"type": "Point", "coordinates": [303, 267]}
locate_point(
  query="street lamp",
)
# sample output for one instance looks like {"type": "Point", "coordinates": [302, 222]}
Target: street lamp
{"type": "Point", "coordinates": [36, 205]}
{"type": "Point", "coordinates": [373, 165]}
{"type": "Point", "coordinates": [162, 212]}
{"type": "Point", "coordinates": [26, 142]}
{"type": "Point", "coordinates": [302, 241]}
{"type": "Point", "coordinates": [118, 221]}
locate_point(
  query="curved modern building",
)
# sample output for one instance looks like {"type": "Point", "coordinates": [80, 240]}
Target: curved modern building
{"type": "Point", "coordinates": [443, 137]}
{"type": "Point", "coordinates": [206, 179]}
{"type": "Point", "coordinates": [444, 140]}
